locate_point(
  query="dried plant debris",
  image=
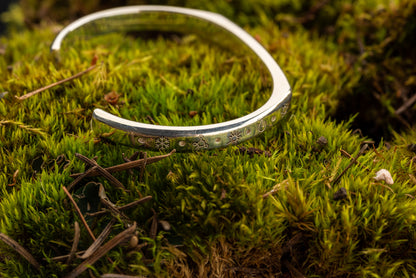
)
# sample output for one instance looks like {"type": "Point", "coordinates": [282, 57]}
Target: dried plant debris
{"type": "Point", "coordinates": [340, 194]}
{"type": "Point", "coordinates": [353, 160]}
{"type": "Point", "coordinates": [18, 248]}
{"type": "Point", "coordinates": [98, 249]}
{"type": "Point", "coordinates": [28, 95]}
{"type": "Point", "coordinates": [103, 250]}
{"type": "Point", "coordinates": [322, 141]}
{"type": "Point", "coordinates": [126, 166]}
{"type": "Point", "coordinates": [384, 175]}
{"type": "Point", "coordinates": [210, 218]}
{"type": "Point", "coordinates": [77, 234]}
{"type": "Point", "coordinates": [412, 147]}
{"type": "Point", "coordinates": [253, 151]}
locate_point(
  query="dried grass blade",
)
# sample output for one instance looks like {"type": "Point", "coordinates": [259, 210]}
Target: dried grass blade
{"type": "Point", "coordinates": [114, 275]}
{"type": "Point", "coordinates": [28, 95]}
{"type": "Point", "coordinates": [79, 212]}
{"type": "Point", "coordinates": [153, 228]}
{"type": "Point", "coordinates": [135, 203]}
{"type": "Point", "coordinates": [77, 234]}
{"type": "Point", "coordinates": [362, 150]}
{"type": "Point", "coordinates": [101, 170]}
{"type": "Point", "coordinates": [80, 177]}
{"type": "Point", "coordinates": [127, 165]}
{"type": "Point", "coordinates": [102, 251]}
{"type": "Point", "coordinates": [99, 241]}
{"type": "Point", "coordinates": [19, 249]}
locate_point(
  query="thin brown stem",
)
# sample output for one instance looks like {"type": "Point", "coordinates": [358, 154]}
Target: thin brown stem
{"type": "Point", "coordinates": [99, 241]}
{"type": "Point", "coordinates": [126, 206]}
{"type": "Point", "coordinates": [135, 203]}
{"type": "Point", "coordinates": [28, 95]}
{"type": "Point", "coordinates": [80, 177]}
{"type": "Point", "coordinates": [102, 251]}
{"type": "Point", "coordinates": [127, 165]}
{"type": "Point", "coordinates": [346, 154]}
{"type": "Point", "coordinates": [79, 212]}
{"type": "Point", "coordinates": [19, 249]}
{"type": "Point", "coordinates": [362, 150]}
{"type": "Point", "coordinates": [101, 170]}
{"type": "Point", "coordinates": [74, 247]}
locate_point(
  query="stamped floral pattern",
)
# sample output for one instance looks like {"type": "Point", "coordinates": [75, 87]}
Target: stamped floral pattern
{"type": "Point", "coordinates": [200, 143]}
{"type": "Point", "coordinates": [162, 143]}
{"type": "Point", "coordinates": [234, 137]}
{"type": "Point", "coordinates": [261, 126]}
{"type": "Point", "coordinates": [284, 109]}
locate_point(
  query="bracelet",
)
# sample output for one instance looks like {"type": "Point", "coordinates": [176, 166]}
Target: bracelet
{"type": "Point", "coordinates": [183, 138]}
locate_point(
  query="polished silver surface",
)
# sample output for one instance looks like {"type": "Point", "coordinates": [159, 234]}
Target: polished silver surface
{"type": "Point", "coordinates": [186, 138]}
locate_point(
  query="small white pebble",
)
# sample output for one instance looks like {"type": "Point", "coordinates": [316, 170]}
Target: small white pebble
{"type": "Point", "coordinates": [165, 225]}
{"type": "Point", "coordinates": [384, 175]}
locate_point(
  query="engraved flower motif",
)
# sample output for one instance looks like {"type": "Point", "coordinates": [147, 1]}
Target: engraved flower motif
{"type": "Point", "coordinates": [262, 125]}
{"type": "Point", "coordinates": [200, 143]}
{"type": "Point", "coordinates": [234, 137]}
{"type": "Point", "coordinates": [284, 109]}
{"type": "Point", "coordinates": [162, 143]}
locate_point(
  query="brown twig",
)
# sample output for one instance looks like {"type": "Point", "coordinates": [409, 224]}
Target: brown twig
{"type": "Point", "coordinates": [19, 249]}
{"type": "Point", "coordinates": [310, 15]}
{"type": "Point", "coordinates": [385, 186]}
{"type": "Point", "coordinates": [406, 105]}
{"type": "Point", "coordinates": [362, 150]}
{"type": "Point", "coordinates": [253, 151]}
{"type": "Point", "coordinates": [127, 206]}
{"type": "Point", "coordinates": [111, 207]}
{"type": "Point", "coordinates": [63, 257]}
{"type": "Point", "coordinates": [153, 228]}
{"type": "Point", "coordinates": [135, 203]}
{"type": "Point", "coordinates": [114, 275]}
{"type": "Point", "coordinates": [74, 247]}
{"type": "Point", "coordinates": [275, 188]}
{"type": "Point", "coordinates": [127, 165]}
{"type": "Point", "coordinates": [346, 154]}
{"type": "Point", "coordinates": [99, 241]}
{"type": "Point", "coordinates": [102, 251]}
{"type": "Point", "coordinates": [131, 158]}
{"type": "Point", "coordinates": [28, 95]}
{"type": "Point", "coordinates": [101, 170]}
{"type": "Point", "coordinates": [80, 177]}
{"type": "Point", "coordinates": [143, 166]}
{"type": "Point", "coordinates": [79, 212]}
{"type": "Point", "coordinates": [14, 178]}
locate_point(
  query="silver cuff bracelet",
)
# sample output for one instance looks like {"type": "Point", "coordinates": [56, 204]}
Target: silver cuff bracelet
{"type": "Point", "coordinates": [184, 138]}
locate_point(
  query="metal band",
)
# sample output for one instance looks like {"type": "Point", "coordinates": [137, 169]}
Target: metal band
{"type": "Point", "coordinates": [186, 138]}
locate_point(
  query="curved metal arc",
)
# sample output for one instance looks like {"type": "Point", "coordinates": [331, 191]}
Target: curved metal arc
{"type": "Point", "coordinates": [280, 93]}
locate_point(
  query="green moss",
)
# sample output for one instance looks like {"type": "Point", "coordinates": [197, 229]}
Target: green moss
{"type": "Point", "coordinates": [221, 223]}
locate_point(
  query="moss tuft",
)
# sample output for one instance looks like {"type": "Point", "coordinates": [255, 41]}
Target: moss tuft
{"type": "Point", "coordinates": [228, 213]}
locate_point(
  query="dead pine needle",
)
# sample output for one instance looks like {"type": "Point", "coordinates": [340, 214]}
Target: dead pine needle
{"type": "Point", "coordinates": [99, 241]}
{"type": "Point", "coordinates": [114, 275]}
{"type": "Point", "coordinates": [362, 150]}
{"type": "Point", "coordinates": [79, 212]}
{"type": "Point", "coordinates": [126, 206]}
{"type": "Point", "coordinates": [124, 166]}
{"type": "Point", "coordinates": [101, 170]}
{"type": "Point", "coordinates": [19, 249]}
{"type": "Point", "coordinates": [24, 127]}
{"type": "Point", "coordinates": [80, 177]}
{"type": "Point", "coordinates": [28, 95]}
{"type": "Point", "coordinates": [74, 247]}
{"type": "Point", "coordinates": [275, 188]}
{"type": "Point", "coordinates": [346, 154]}
{"type": "Point", "coordinates": [121, 237]}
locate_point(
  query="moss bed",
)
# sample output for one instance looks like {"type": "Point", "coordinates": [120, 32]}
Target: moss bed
{"type": "Point", "coordinates": [289, 203]}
